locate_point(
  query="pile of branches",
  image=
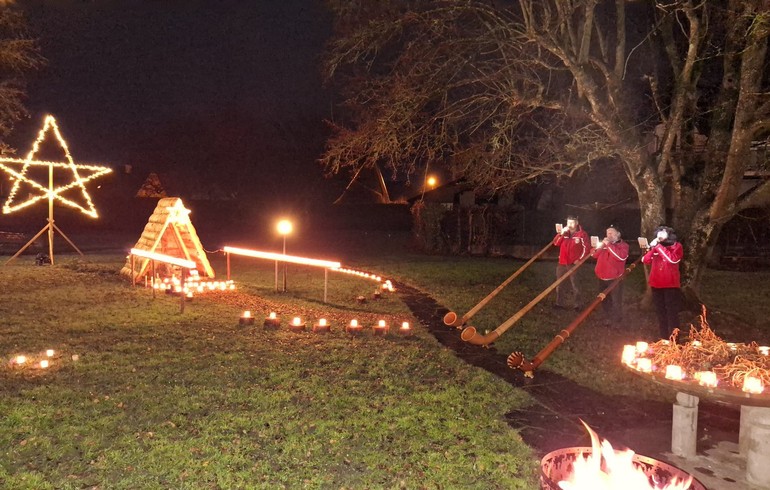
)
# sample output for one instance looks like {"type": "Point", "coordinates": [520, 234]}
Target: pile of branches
{"type": "Point", "coordinates": [705, 351]}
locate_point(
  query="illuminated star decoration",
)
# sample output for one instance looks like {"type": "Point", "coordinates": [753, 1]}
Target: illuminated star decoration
{"type": "Point", "coordinates": [50, 192]}
{"type": "Point", "coordinates": [178, 213]}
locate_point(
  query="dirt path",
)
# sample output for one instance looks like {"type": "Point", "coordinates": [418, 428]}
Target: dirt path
{"type": "Point", "coordinates": [553, 422]}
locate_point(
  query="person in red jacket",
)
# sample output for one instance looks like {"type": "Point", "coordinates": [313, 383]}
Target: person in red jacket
{"type": "Point", "coordinates": [573, 245]}
{"type": "Point", "coordinates": [664, 255]}
{"type": "Point", "coordinates": [611, 254]}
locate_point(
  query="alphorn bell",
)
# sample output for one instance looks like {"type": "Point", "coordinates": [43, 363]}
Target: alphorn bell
{"type": "Point", "coordinates": [471, 335]}
{"type": "Point", "coordinates": [451, 320]}
{"type": "Point", "coordinates": [517, 361]}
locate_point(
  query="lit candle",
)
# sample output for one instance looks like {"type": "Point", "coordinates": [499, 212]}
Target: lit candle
{"type": "Point", "coordinates": [674, 372]}
{"type": "Point", "coordinates": [629, 354]}
{"type": "Point", "coordinates": [272, 320]}
{"type": "Point", "coordinates": [354, 328]}
{"type": "Point", "coordinates": [21, 359]}
{"type": "Point", "coordinates": [49, 353]}
{"type": "Point", "coordinates": [764, 350]}
{"type": "Point", "coordinates": [43, 364]}
{"type": "Point", "coordinates": [753, 385]}
{"type": "Point", "coordinates": [405, 329]}
{"type": "Point", "coordinates": [381, 328]}
{"type": "Point", "coordinates": [297, 325]}
{"type": "Point", "coordinates": [707, 378]}
{"type": "Point", "coordinates": [322, 326]}
{"type": "Point", "coordinates": [641, 347]}
{"type": "Point", "coordinates": [644, 365]}
{"type": "Point", "coordinates": [246, 318]}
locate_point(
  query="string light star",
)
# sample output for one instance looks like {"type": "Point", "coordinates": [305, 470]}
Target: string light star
{"type": "Point", "coordinates": [80, 175]}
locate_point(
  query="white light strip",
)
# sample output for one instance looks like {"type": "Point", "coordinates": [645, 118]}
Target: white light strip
{"type": "Point", "coordinates": [282, 258]}
{"type": "Point", "coordinates": [187, 264]}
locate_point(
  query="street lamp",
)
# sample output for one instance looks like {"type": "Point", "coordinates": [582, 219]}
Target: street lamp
{"type": "Point", "coordinates": [431, 182]}
{"type": "Point", "coordinates": [284, 227]}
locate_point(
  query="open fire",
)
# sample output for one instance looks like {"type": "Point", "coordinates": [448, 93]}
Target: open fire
{"type": "Point", "coordinates": [601, 467]}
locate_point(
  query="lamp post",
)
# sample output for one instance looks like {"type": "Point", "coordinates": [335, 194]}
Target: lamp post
{"type": "Point", "coordinates": [284, 227]}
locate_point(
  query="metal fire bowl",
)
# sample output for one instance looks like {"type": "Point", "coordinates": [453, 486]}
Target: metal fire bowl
{"type": "Point", "coordinates": [726, 396]}
{"type": "Point", "coordinates": [557, 466]}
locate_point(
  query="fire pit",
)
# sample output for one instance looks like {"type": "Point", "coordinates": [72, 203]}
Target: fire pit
{"type": "Point", "coordinates": [560, 465]}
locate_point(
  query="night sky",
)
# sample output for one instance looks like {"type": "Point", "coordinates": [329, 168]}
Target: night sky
{"type": "Point", "coordinates": [125, 78]}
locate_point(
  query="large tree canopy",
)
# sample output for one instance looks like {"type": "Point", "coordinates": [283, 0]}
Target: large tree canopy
{"type": "Point", "coordinates": [18, 55]}
{"type": "Point", "coordinates": [503, 92]}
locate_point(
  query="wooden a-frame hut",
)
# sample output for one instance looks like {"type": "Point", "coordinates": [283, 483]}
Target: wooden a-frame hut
{"type": "Point", "coordinates": [169, 231]}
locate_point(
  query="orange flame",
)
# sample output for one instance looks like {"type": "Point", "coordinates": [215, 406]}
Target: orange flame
{"type": "Point", "coordinates": [607, 469]}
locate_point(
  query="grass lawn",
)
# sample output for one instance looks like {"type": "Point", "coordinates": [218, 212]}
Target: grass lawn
{"type": "Point", "coordinates": [159, 399]}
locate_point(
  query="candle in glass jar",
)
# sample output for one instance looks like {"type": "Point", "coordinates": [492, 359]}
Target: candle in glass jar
{"type": "Point", "coordinates": [674, 372]}
{"type": "Point", "coordinates": [753, 385]}
{"type": "Point", "coordinates": [629, 354]}
{"type": "Point", "coordinates": [644, 365]}
{"type": "Point", "coordinates": [707, 378]}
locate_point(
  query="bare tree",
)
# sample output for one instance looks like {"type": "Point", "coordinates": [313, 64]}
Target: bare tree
{"type": "Point", "coordinates": [18, 55]}
{"type": "Point", "coordinates": [507, 92]}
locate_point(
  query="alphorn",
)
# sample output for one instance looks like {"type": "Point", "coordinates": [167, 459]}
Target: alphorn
{"type": "Point", "coordinates": [471, 335]}
{"type": "Point", "coordinates": [517, 361]}
{"type": "Point", "coordinates": [451, 320]}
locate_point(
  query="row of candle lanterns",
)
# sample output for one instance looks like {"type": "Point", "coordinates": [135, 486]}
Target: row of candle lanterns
{"type": "Point", "coordinates": [634, 356]}
{"type": "Point", "coordinates": [192, 285]}
{"type": "Point", "coordinates": [22, 360]}
{"type": "Point", "coordinates": [323, 325]}
{"type": "Point", "coordinates": [386, 284]}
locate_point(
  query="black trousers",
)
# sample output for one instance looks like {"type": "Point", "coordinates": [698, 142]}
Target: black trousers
{"type": "Point", "coordinates": [613, 303]}
{"type": "Point", "coordinates": [668, 302]}
{"type": "Point", "coordinates": [568, 291]}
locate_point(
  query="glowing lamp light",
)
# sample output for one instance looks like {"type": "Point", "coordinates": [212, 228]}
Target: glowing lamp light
{"type": "Point", "coordinates": [43, 364]}
{"type": "Point", "coordinates": [641, 347]}
{"type": "Point", "coordinates": [21, 359]}
{"type": "Point", "coordinates": [707, 378]}
{"type": "Point", "coordinates": [764, 350]}
{"type": "Point", "coordinates": [431, 181]}
{"type": "Point", "coordinates": [284, 227]}
{"type": "Point", "coordinates": [696, 343]}
{"type": "Point", "coordinates": [733, 347]}
{"type": "Point", "coordinates": [629, 354]}
{"type": "Point", "coordinates": [674, 372]}
{"type": "Point", "coordinates": [272, 315]}
{"type": "Point", "coordinates": [644, 365]}
{"type": "Point", "coordinates": [49, 353]}
{"type": "Point", "coordinates": [405, 329]}
{"type": "Point", "coordinates": [753, 385]}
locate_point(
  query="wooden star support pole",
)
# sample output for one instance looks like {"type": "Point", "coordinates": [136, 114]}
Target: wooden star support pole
{"type": "Point", "coordinates": [51, 192]}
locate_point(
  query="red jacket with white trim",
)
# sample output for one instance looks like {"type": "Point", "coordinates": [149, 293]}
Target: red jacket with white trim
{"type": "Point", "coordinates": [611, 260]}
{"type": "Point", "coordinates": [572, 246]}
{"type": "Point", "coordinates": [664, 271]}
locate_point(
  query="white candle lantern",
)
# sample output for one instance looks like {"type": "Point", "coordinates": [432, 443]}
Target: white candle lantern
{"type": "Point", "coordinates": [674, 372]}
